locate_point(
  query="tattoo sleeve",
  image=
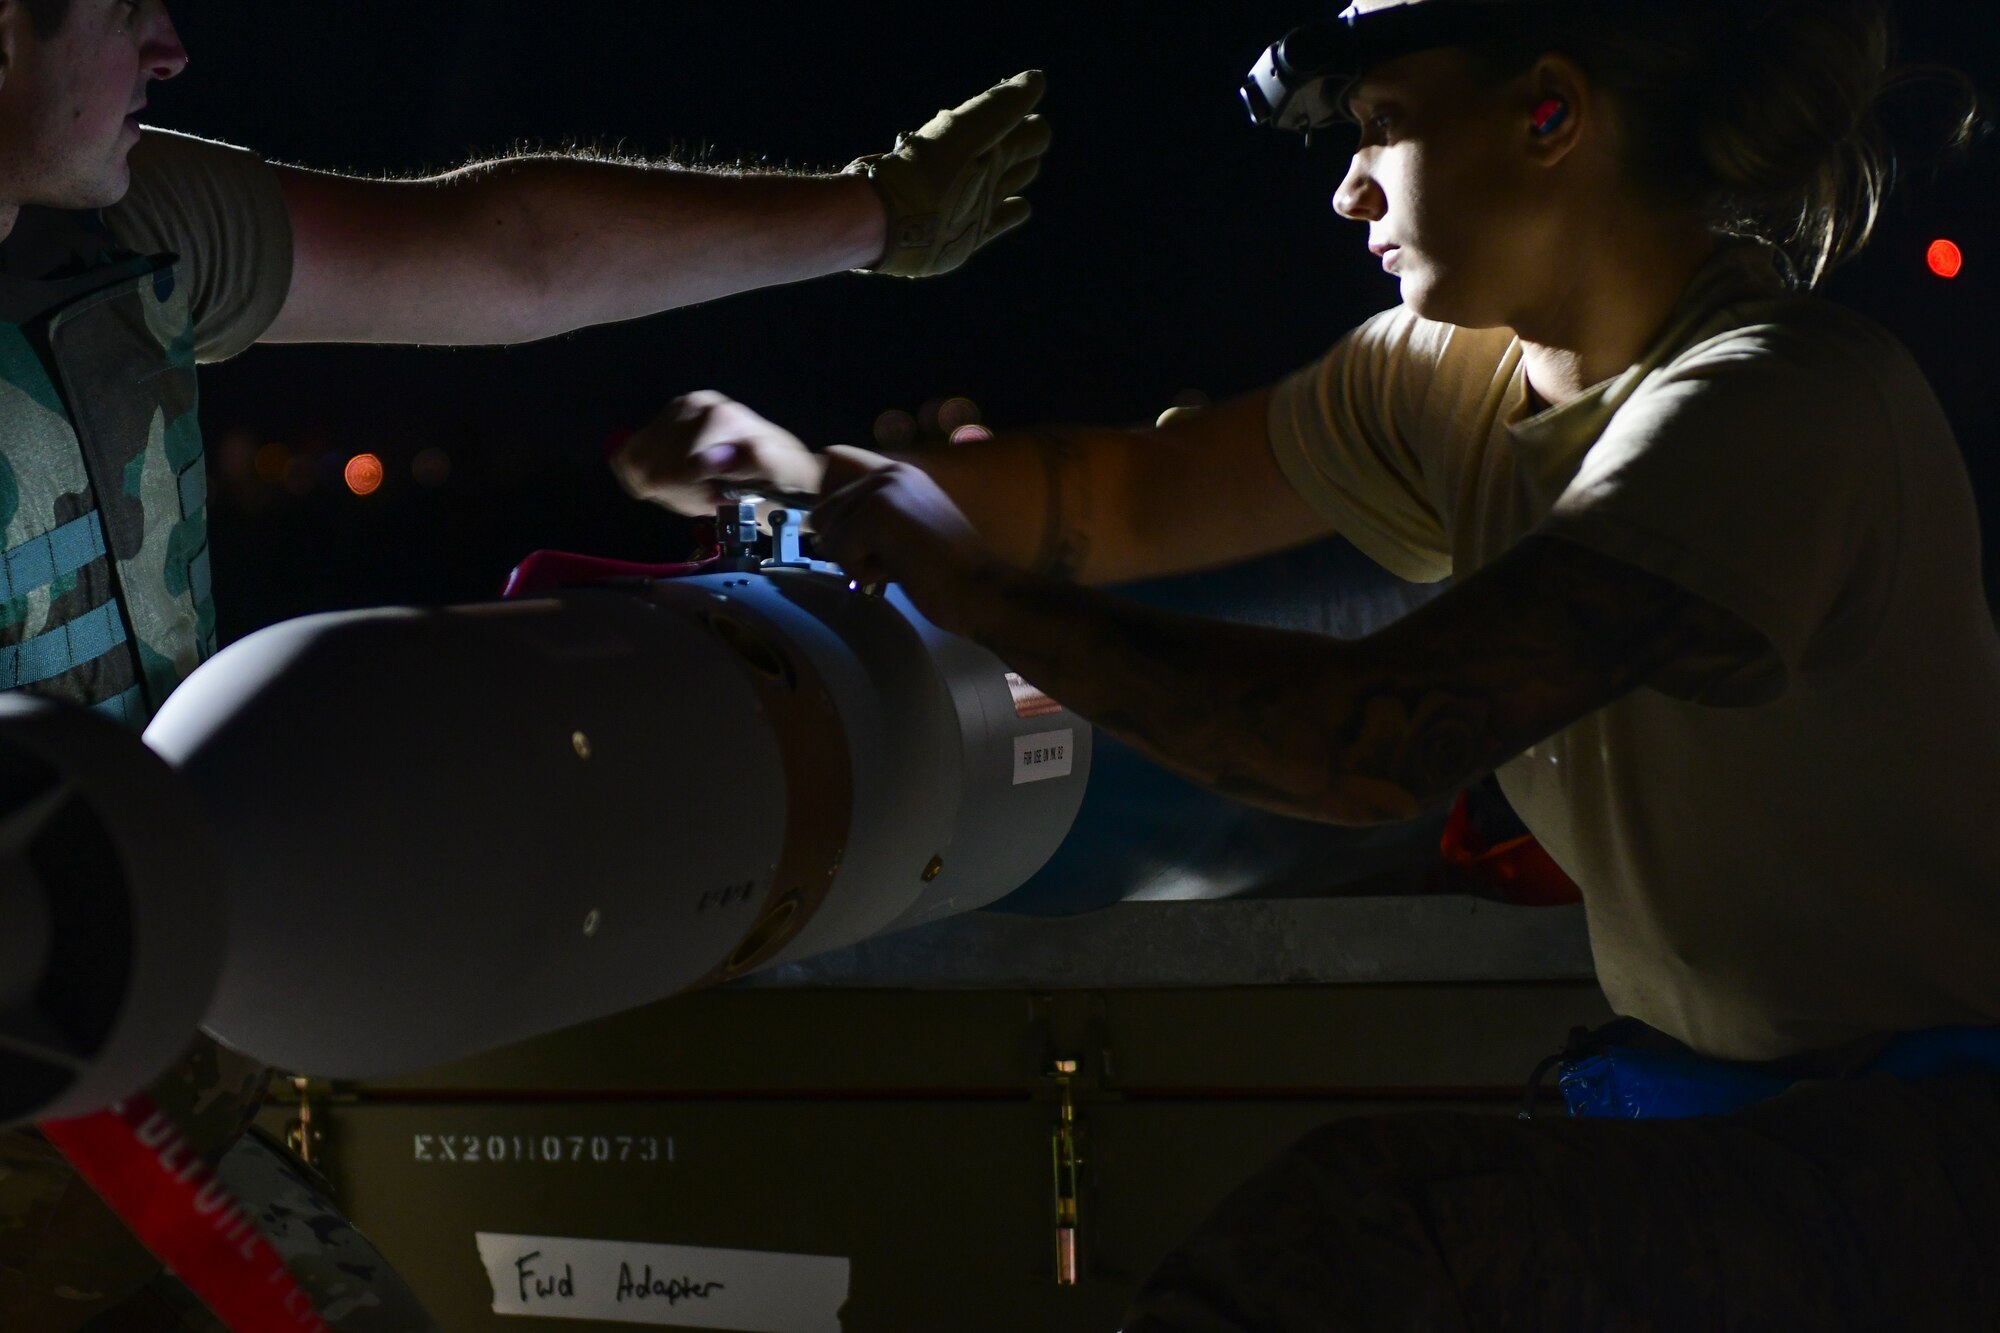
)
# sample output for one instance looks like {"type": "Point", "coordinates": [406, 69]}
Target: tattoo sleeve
{"type": "Point", "coordinates": [1372, 730]}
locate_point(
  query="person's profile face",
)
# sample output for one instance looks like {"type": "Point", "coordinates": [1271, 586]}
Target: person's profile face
{"type": "Point", "coordinates": [1437, 177]}
{"type": "Point", "coordinates": [69, 102]}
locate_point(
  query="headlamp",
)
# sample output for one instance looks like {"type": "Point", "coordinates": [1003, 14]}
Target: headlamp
{"type": "Point", "coordinates": [1303, 81]}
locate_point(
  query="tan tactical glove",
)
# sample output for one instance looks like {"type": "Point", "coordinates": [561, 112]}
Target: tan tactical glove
{"type": "Point", "coordinates": [955, 184]}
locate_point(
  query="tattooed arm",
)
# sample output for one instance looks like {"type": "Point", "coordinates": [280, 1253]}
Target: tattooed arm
{"type": "Point", "coordinates": [1351, 732]}
{"type": "Point", "coordinates": [1372, 730]}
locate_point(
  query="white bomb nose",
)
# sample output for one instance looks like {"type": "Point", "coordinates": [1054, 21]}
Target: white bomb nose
{"type": "Point", "coordinates": [448, 830]}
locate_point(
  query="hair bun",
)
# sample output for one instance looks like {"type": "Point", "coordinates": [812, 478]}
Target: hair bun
{"type": "Point", "coordinates": [1801, 86]}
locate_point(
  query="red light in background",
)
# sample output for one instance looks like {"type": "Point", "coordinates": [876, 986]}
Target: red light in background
{"type": "Point", "coordinates": [1946, 260]}
{"type": "Point", "coordinates": [364, 474]}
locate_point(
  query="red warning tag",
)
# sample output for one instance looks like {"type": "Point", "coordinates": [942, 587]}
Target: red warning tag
{"type": "Point", "coordinates": [179, 1208]}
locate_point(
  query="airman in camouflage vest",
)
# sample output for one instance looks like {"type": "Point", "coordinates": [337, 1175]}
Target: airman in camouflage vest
{"type": "Point", "coordinates": [105, 602]}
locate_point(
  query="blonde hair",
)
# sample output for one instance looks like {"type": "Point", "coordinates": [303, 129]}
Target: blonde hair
{"type": "Point", "coordinates": [1770, 115]}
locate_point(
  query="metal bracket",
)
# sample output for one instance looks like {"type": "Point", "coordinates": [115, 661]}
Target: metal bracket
{"type": "Point", "coordinates": [1068, 1161]}
{"type": "Point", "coordinates": [787, 538]}
{"type": "Point", "coordinates": [736, 535]}
{"type": "Point", "coordinates": [307, 1133]}
{"type": "Point", "coordinates": [1069, 1037]}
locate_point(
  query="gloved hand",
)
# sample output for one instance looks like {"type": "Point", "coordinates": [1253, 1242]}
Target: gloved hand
{"type": "Point", "coordinates": [955, 184]}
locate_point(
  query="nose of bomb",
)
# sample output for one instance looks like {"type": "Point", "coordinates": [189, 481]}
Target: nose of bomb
{"type": "Point", "coordinates": [448, 830]}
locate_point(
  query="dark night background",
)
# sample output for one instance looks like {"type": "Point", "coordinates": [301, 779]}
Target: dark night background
{"type": "Point", "coordinates": [1174, 249]}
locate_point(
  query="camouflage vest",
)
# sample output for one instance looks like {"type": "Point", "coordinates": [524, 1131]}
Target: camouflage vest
{"type": "Point", "coordinates": [104, 570]}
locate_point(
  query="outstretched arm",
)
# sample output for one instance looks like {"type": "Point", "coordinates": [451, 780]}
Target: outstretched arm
{"type": "Point", "coordinates": [530, 247]}
{"type": "Point", "coordinates": [1362, 732]}
{"type": "Point", "coordinates": [514, 251]}
{"type": "Point", "coordinates": [1094, 504]}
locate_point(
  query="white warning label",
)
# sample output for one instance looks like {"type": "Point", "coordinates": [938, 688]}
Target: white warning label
{"type": "Point", "coordinates": [1044, 755]}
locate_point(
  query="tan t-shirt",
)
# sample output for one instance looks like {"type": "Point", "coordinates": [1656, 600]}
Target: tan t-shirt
{"type": "Point", "coordinates": [220, 209]}
{"type": "Point", "coordinates": [1761, 878]}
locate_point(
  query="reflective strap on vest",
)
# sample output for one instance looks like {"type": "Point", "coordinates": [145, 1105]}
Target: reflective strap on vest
{"type": "Point", "coordinates": [84, 639]}
{"type": "Point", "coordinates": [38, 563]}
{"type": "Point", "coordinates": [128, 708]}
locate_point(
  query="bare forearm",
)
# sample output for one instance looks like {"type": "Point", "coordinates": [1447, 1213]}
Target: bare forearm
{"type": "Point", "coordinates": [1048, 501]}
{"type": "Point", "coordinates": [594, 242]}
{"type": "Point", "coordinates": [1101, 506]}
{"type": "Point", "coordinates": [527, 248]}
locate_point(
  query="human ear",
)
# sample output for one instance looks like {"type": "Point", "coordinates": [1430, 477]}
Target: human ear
{"type": "Point", "coordinates": [1560, 108]}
